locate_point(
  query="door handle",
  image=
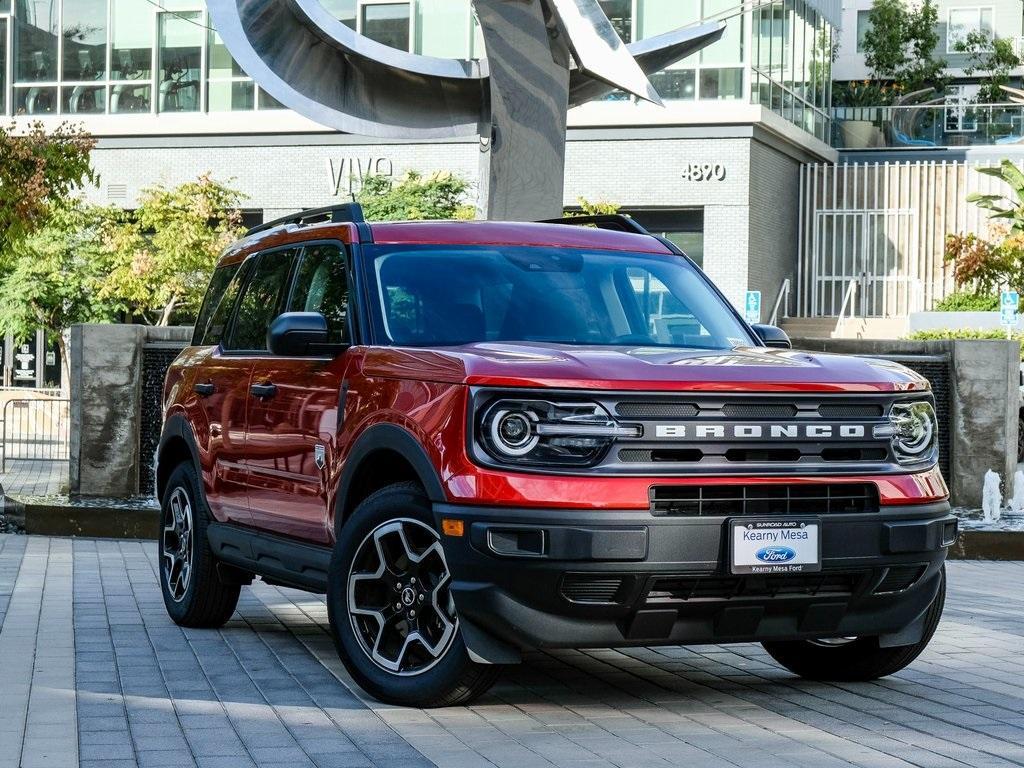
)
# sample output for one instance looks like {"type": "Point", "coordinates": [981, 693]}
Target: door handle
{"type": "Point", "coordinates": [263, 390]}
{"type": "Point", "coordinates": [203, 390]}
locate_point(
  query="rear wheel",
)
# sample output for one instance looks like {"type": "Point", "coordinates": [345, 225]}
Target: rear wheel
{"type": "Point", "coordinates": [194, 594]}
{"type": "Point", "coordinates": [391, 609]}
{"type": "Point", "coordinates": [851, 659]}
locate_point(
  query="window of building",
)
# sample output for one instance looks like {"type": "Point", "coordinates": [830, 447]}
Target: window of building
{"type": "Point", "coordinates": [443, 29]}
{"type": "Point", "coordinates": [180, 56]}
{"type": "Point", "coordinates": [964, 21]}
{"type": "Point", "coordinates": [863, 25]}
{"type": "Point", "coordinates": [84, 27]}
{"type": "Point", "coordinates": [321, 285]}
{"type": "Point", "coordinates": [35, 44]}
{"type": "Point", "coordinates": [387, 23]}
{"type": "Point", "coordinates": [620, 13]}
{"type": "Point", "coordinates": [260, 301]}
{"type": "Point", "coordinates": [228, 88]}
{"type": "Point", "coordinates": [343, 10]}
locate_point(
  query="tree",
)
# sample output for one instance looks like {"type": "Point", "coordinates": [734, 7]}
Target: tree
{"type": "Point", "coordinates": [900, 43]}
{"type": "Point", "coordinates": [160, 256]}
{"type": "Point", "coordinates": [440, 195]}
{"type": "Point", "coordinates": [591, 208]}
{"type": "Point", "coordinates": [54, 276]}
{"type": "Point", "coordinates": [38, 170]}
{"type": "Point", "coordinates": [987, 265]}
{"type": "Point", "coordinates": [994, 56]}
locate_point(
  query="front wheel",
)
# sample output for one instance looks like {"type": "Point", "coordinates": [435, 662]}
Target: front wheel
{"type": "Point", "coordinates": [390, 605]}
{"type": "Point", "coordinates": [855, 659]}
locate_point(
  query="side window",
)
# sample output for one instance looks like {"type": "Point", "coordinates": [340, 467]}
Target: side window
{"type": "Point", "coordinates": [321, 285]}
{"type": "Point", "coordinates": [216, 310]}
{"type": "Point", "coordinates": [261, 300]}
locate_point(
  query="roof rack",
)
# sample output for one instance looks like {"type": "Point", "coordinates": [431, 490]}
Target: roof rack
{"type": "Point", "coordinates": [347, 212]}
{"type": "Point", "coordinates": [615, 221]}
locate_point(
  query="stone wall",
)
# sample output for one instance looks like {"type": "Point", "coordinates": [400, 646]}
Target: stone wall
{"type": "Point", "coordinates": [984, 400]}
{"type": "Point", "coordinates": [107, 392]}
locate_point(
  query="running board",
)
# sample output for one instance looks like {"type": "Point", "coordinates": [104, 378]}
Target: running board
{"type": "Point", "coordinates": [279, 559]}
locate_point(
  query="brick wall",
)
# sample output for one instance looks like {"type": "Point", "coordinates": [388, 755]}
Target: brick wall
{"type": "Point", "coordinates": [774, 217]}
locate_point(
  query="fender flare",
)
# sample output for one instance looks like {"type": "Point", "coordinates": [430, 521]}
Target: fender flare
{"type": "Point", "coordinates": [387, 437]}
{"type": "Point", "coordinates": [177, 426]}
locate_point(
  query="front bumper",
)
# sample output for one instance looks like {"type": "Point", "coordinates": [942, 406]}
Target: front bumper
{"type": "Point", "coordinates": [577, 578]}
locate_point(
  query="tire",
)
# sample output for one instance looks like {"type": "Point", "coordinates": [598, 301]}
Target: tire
{"type": "Point", "coordinates": [199, 598]}
{"type": "Point", "coordinates": [857, 660]}
{"type": "Point", "coordinates": [375, 606]}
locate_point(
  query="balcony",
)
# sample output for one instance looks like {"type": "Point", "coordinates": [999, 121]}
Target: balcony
{"type": "Point", "coordinates": [927, 126]}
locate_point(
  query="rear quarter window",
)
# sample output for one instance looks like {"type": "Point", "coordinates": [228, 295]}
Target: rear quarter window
{"type": "Point", "coordinates": [216, 304]}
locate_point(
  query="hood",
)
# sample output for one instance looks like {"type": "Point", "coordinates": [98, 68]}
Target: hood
{"type": "Point", "coordinates": [751, 369]}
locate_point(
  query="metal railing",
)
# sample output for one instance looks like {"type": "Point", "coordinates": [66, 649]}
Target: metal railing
{"type": "Point", "coordinates": [781, 301]}
{"type": "Point", "coordinates": [849, 301]}
{"type": "Point", "coordinates": [930, 126]}
{"type": "Point", "coordinates": [35, 429]}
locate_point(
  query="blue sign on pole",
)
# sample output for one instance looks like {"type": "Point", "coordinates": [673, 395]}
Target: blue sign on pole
{"type": "Point", "coordinates": [752, 307]}
{"type": "Point", "coordinates": [1009, 303]}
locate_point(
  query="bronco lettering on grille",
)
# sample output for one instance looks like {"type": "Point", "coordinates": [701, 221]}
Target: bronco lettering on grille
{"type": "Point", "coordinates": [760, 431]}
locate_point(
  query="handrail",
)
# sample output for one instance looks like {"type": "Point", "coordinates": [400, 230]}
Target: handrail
{"type": "Point", "coordinates": [849, 297]}
{"type": "Point", "coordinates": [783, 293]}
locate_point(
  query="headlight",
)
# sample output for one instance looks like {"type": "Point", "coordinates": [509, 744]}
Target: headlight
{"type": "Point", "coordinates": [542, 432]}
{"type": "Point", "coordinates": [913, 430]}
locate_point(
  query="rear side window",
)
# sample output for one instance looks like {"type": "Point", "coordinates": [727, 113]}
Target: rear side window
{"type": "Point", "coordinates": [261, 300]}
{"type": "Point", "coordinates": [321, 285]}
{"type": "Point", "coordinates": [216, 309]}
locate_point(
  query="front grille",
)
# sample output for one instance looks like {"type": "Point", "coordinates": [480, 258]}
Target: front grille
{"type": "Point", "coordinates": [759, 410]}
{"type": "Point", "coordinates": [668, 410]}
{"type": "Point", "coordinates": [850, 411]}
{"type": "Point", "coordinates": [695, 588]}
{"type": "Point", "coordinates": [592, 587]}
{"type": "Point", "coordinates": [900, 577]}
{"type": "Point", "coordinates": [769, 500]}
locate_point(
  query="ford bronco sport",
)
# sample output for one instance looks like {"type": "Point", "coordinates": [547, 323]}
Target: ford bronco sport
{"type": "Point", "coordinates": [479, 438]}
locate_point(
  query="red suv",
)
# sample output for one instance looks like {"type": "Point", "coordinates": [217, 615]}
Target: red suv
{"type": "Point", "coordinates": [479, 438]}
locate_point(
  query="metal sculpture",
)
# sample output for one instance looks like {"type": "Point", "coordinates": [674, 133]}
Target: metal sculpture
{"type": "Point", "coordinates": [543, 57]}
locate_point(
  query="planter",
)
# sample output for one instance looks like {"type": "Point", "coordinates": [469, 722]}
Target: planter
{"type": "Point", "coordinates": [981, 321]}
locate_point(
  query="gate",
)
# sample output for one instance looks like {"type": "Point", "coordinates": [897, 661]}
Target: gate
{"type": "Point", "coordinates": [34, 429]}
{"type": "Point", "coordinates": [867, 247]}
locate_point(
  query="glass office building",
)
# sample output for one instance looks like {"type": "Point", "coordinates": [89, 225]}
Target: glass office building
{"type": "Point", "coordinates": [86, 57]}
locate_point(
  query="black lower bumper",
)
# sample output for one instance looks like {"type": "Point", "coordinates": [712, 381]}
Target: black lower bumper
{"type": "Point", "coordinates": [579, 578]}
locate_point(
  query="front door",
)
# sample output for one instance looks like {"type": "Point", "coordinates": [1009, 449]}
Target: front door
{"type": "Point", "coordinates": [293, 409]}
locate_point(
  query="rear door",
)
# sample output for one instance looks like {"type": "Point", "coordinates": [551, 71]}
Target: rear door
{"type": "Point", "coordinates": [293, 411]}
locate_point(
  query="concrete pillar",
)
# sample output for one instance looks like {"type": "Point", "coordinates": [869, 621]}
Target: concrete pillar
{"type": "Point", "coordinates": [106, 385]}
{"type": "Point", "coordinates": [986, 381]}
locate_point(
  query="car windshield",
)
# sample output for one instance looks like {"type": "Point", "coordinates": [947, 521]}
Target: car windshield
{"type": "Point", "coordinates": [450, 295]}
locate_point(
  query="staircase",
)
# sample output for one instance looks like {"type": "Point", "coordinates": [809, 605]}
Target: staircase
{"type": "Point", "coordinates": [809, 327]}
{"type": "Point", "coordinates": [852, 328]}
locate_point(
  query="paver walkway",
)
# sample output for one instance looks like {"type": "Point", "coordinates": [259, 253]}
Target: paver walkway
{"type": "Point", "coordinates": [32, 477]}
{"type": "Point", "coordinates": [93, 673]}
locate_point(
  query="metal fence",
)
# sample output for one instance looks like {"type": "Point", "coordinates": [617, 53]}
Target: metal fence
{"type": "Point", "coordinates": [883, 226]}
{"type": "Point", "coordinates": [34, 429]}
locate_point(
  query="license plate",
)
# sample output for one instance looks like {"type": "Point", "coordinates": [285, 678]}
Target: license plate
{"type": "Point", "coordinates": [773, 545]}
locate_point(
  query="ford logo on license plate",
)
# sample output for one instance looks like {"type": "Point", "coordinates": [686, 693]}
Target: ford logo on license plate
{"type": "Point", "coordinates": [775, 554]}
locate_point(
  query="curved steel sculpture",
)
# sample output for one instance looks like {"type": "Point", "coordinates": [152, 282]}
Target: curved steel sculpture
{"type": "Point", "coordinates": [543, 56]}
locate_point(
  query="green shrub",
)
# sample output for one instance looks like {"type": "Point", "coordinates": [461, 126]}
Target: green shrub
{"type": "Point", "coordinates": [968, 334]}
{"type": "Point", "coordinates": [968, 301]}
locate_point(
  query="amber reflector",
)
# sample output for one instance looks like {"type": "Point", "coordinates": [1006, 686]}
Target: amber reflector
{"type": "Point", "coordinates": [452, 527]}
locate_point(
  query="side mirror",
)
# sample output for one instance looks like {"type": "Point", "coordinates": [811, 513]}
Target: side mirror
{"type": "Point", "coordinates": [772, 336]}
{"type": "Point", "coordinates": [292, 334]}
